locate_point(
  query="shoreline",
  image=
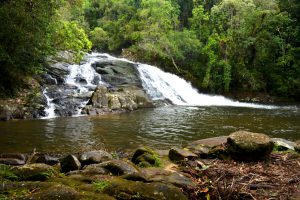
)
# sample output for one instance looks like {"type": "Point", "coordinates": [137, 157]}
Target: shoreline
{"type": "Point", "coordinates": [206, 168]}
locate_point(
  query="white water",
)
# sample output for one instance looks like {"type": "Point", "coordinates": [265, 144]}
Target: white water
{"type": "Point", "coordinates": [85, 72]}
{"type": "Point", "coordinates": [161, 85]}
{"type": "Point", "coordinates": [50, 107]}
{"type": "Point", "coordinates": [158, 84]}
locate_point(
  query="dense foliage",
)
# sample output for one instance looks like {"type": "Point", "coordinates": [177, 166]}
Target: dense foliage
{"type": "Point", "coordinates": [220, 45]}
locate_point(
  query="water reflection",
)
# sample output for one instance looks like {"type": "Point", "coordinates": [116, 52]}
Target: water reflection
{"type": "Point", "coordinates": [160, 128]}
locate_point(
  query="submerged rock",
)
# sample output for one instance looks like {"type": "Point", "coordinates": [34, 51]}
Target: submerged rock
{"type": "Point", "coordinates": [248, 146]}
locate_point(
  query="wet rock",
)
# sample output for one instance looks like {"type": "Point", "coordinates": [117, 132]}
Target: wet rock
{"type": "Point", "coordinates": [55, 193]}
{"type": "Point", "coordinates": [70, 163]}
{"type": "Point", "coordinates": [48, 79]}
{"type": "Point", "coordinates": [283, 145]}
{"type": "Point", "coordinates": [119, 99]}
{"type": "Point", "coordinates": [124, 189]}
{"type": "Point", "coordinates": [93, 157]}
{"type": "Point", "coordinates": [145, 157]}
{"type": "Point", "coordinates": [119, 167]}
{"type": "Point", "coordinates": [116, 72]}
{"type": "Point", "coordinates": [13, 159]}
{"type": "Point", "coordinates": [34, 172]}
{"type": "Point", "coordinates": [248, 146]}
{"type": "Point", "coordinates": [176, 154]}
{"type": "Point", "coordinates": [46, 159]}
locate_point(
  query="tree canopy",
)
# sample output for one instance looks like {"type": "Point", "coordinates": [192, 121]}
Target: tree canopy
{"type": "Point", "coordinates": [220, 45]}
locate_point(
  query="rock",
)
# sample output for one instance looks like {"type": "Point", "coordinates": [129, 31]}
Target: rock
{"type": "Point", "coordinates": [13, 159]}
{"type": "Point", "coordinates": [297, 146]}
{"type": "Point", "coordinates": [124, 189]}
{"type": "Point", "coordinates": [34, 172]}
{"type": "Point", "coordinates": [48, 79]}
{"type": "Point", "coordinates": [46, 159]}
{"type": "Point", "coordinates": [248, 146]}
{"type": "Point", "coordinates": [119, 99]}
{"type": "Point", "coordinates": [55, 193]}
{"type": "Point", "coordinates": [5, 113]}
{"type": "Point", "coordinates": [70, 163]}
{"type": "Point", "coordinates": [209, 142]}
{"type": "Point", "coordinates": [175, 178]}
{"type": "Point", "coordinates": [283, 145]}
{"type": "Point", "coordinates": [92, 157]}
{"type": "Point", "coordinates": [145, 157]}
{"type": "Point", "coordinates": [116, 72]}
{"type": "Point", "coordinates": [119, 167]}
{"type": "Point", "coordinates": [176, 154]}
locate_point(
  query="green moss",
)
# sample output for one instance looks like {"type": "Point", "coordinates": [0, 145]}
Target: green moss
{"type": "Point", "coordinates": [14, 194]}
{"type": "Point", "coordinates": [101, 185]}
{"type": "Point", "coordinates": [146, 157]}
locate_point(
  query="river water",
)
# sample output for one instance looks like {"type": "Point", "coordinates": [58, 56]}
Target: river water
{"type": "Point", "coordinates": [160, 128]}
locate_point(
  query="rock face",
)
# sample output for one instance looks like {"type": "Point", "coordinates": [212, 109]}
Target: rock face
{"type": "Point", "coordinates": [248, 146]}
{"type": "Point", "coordinates": [124, 98]}
{"type": "Point", "coordinates": [116, 72]}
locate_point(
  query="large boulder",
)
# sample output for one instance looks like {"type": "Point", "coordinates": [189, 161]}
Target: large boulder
{"type": "Point", "coordinates": [117, 72]}
{"type": "Point", "coordinates": [248, 146]}
{"type": "Point", "coordinates": [120, 99]}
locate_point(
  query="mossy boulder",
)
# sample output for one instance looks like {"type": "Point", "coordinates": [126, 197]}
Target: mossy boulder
{"type": "Point", "coordinates": [145, 157]}
{"type": "Point", "coordinates": [58, 192]}
{"type": "Point", "coordinates": [176, 154]}
{"type": "Point", "coordinates": [124, 189]}
{"type": "Point", "coordinates": [34, 172]}
{"type": "Point", "coordinates": [248, 146]}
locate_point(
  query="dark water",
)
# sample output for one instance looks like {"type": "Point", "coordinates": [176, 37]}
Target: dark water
{"type": "Point", "coordinates": [159, 128]}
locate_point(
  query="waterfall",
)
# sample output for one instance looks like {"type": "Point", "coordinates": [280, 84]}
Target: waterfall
{"type": "Point", "coordinates": [69, 98]}
{"type": "Point", "coordinates": [50, 107]}
{"type": "Point", "coordinates": [161, 85]}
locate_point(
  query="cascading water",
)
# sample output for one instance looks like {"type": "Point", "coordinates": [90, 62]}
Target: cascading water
{"type": "Point", "coordinates": [50, 107]}
{"type": "Point", "coordinates": [82, 79]}
{"type": "Point", "coordinates": [161, 85]}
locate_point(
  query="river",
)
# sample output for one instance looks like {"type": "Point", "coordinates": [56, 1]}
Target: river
{"type": "Point", "coordinates": [160, 128]}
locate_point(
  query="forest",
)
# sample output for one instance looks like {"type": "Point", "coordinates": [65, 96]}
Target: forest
{"type": "Point", "coordinates": [221, 46]}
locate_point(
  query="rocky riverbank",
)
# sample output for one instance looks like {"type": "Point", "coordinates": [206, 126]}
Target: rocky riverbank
{"type": "Point", "coordinates": [243, 165]}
